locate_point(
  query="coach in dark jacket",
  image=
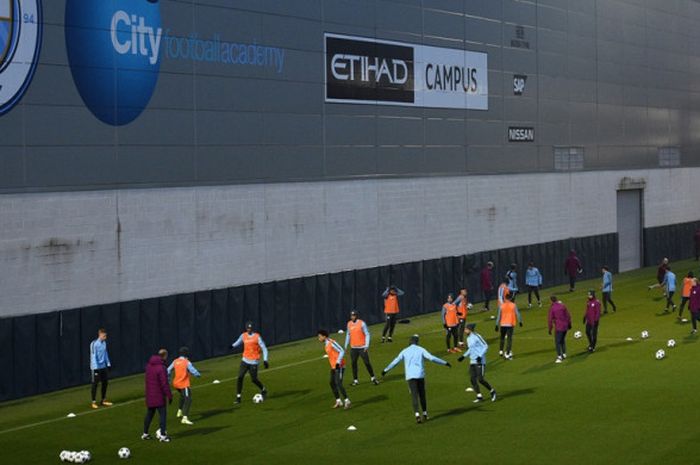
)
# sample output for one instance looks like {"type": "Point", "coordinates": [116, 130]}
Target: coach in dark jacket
{"type": "Point", "coordinates": [157, 390]}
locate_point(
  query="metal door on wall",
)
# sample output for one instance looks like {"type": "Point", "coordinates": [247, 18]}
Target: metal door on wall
{"type": "Point", "coordinates": [629, 229]}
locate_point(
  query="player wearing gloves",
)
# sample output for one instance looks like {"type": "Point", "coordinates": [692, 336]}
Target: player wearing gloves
{"type": "Point", "coordinates": [476, 352]}
{"type": "Point", "coordinates": [253, 346]}
{"type": "Point", "coordinates": [413, 358]}
{"type": "Point", "coordinates": [336, 355]}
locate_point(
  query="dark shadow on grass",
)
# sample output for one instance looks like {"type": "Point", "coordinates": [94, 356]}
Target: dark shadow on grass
{"type": "Point", "coordinates": [195, 431]}
{"type": "Point", "coordinates": [212, 413]}
{"type": "Point", "coordinates": [662, 313]}
{"type": "Point", "coordinates": [298, 392]}
{"type": "Point", "coordinates": [371, 400]}
{"type": "Point", "coordinates": [690, 339]}
{"type": "Point", "coordinates": [505, 395]}
{"type": "Point", "coordinates": [457, 411]}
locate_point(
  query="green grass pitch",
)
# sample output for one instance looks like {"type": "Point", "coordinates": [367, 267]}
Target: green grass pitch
{"type": "Point", "coordinates": [618, 405]}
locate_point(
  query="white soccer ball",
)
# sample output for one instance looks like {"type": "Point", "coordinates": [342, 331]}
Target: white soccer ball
{"type": "Point", "coordinates": [79, 458]}
{"type": "Point", "coordinates": [577, 335]}
{"type": "Point", "coordinates": [86, 455]}
{"type": "Point", "coordinates": [470, 306]}
{"type": "Point", "coordinates": [671, 343]}
{"type": "Point", "coordinates": [71, 456]}
{"type": "Point", "coordinates": [63, 455]}
{"type": "Point", "coordinates": [258, 399]}
{"type": "Point", "coordinates": [645, 334]}
{"type": "Point", "coordinates": [660, 354]}
{"type": "Point", "coordinates": [124, 453]}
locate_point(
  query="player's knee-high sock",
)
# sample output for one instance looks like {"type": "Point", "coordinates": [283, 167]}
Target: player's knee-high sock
{"type": "Point", "coordinates": [186, 402]}
{"type": "Point", "coordinates": [93, 390]}
{"type": "Point", "coordinates": [104, 389]}
{"type": "Point", "coordinates": [239, 385]}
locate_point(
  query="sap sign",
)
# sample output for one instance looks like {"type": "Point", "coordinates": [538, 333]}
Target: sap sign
{"type": "Point", "coordinates": [113, 51]}
{"type": "Point", "coordinates": [372, 71]}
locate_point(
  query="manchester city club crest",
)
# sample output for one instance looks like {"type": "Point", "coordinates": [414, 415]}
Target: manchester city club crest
{"type": "Point", "coordinates": [20, 42]}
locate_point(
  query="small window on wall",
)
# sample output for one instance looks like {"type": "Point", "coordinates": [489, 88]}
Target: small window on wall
{"type": "Point", "coordinates": [568, 158]}
{"type": "Point", "coordinates": [669, 156]}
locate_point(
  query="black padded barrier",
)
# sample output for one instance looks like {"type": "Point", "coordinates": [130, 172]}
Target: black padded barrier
{"type": "Point", "coordinates": [50, 351]}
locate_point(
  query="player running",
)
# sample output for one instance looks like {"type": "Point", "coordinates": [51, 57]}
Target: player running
{"type": "Point", "coordinates": [391, 308]}
{"type": "Point", "coordinates": [183, 368]}
{"type": "Point", "coordinates": [508, 313]}
{"type": "Point", "coordinates": [99, 368]}
{"type": "Point", "coordinates": [607, 289]}
{"type": "Point", "coordinates": [688, 283]}
{"type": "Point", "coordinates": [413, 358]}
{"type": "Point", "coordinates": [533, 281]}
{"type": "Point", "coordinates": [660, 275]}
{"type": "Point", "coordinates": [253, 346]}
{"type": "Point", "coordinates": [559, 318]}
{"type": "Point", "coordinates": [669, 283]}
{"type": "Point", "coordinates": [477, 348]}
{"type": "Point", "coordinates": [358, 337]}
{"type": "Point", "coordinates": [512, 277]}
{"type": "Point", "coordinates": [591, 320]}
{"type": "Point", "coordinates": [462, 311]}
{"type": "Point", "coordinates": [335, 357]}
{"type": "Point", "coordinates": [450, 321]}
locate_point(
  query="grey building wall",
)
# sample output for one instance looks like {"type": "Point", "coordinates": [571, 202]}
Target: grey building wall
{"type": "Point", "coordinates": [617, 77]}
{"type": "Point", "coordinates": [77, 249]}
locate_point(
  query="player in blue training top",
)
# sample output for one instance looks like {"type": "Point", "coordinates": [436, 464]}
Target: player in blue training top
{"type": "Point", "coordinates": [533, 281]}
{"type": "Point", "coordinates": [477, 348]}
{"type": "Point", "coordinates": [99, 367]}
{"type": "Point", "coordinates": [413, 358]}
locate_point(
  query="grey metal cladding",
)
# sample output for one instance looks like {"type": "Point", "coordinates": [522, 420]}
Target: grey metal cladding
{"type": "Point", "coordinates": [620, 78]}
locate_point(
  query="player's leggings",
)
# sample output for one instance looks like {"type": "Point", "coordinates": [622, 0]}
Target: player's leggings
{"type": "Point", "coordinates": [364, 355]}
{"type": "Point", "coordinates": [337, 383]}
{"type": "Point", "coordinates": [560, 342]}
{"type": "Point", "coordinates": [669, 300]}
{"type": "Point", "coordinates": [607, 298]}
{"type": "Point", "coordinates": [592, 334]}
{"type": "Point", "coordinates": [185, 400]}
{"type": "Point", "coordinates": [507, 332]}
{"type": "Point", "coordinates": [513, 293]}
{"type": "Point", "coordinates": [451, 332]}
{"type": "Point", "coordinates": [99, 376]}
{"type": "Point", "coordinates": [460, 330]}
{"type": "Point", "coordinates": [416, 387]}
{"type": "Point", "coordinates": [694, 317]}
{"type": "Point", "coordinates": [684, 300]}
{"type": "Point", "coordinates": [530, 290]}
{"type": "Point", "coordinates": [572, 282]}
{"type": "Point", "coordinates": [488, 295]}
{"type": "Point", "coordinates": [253, 369]}
{"type": "Point", "coordinates": [476, 374]}
{"type": "Point", "coordinates": [389, 326]}
{"type": "Point", "coordinates": [150, 413]}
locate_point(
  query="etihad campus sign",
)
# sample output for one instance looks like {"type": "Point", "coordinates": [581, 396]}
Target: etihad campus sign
{"type": "Point", "coordinates": [371, 71]}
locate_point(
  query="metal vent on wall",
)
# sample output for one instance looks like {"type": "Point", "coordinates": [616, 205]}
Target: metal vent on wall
{"type": "Point", "coordinates": [568, 158]}
{"type": "Point", "coordinates": [669, 156]}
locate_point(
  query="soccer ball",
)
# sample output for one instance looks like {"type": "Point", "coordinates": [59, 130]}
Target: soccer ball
{"type": "Point", "coordinates": [671, 343]}
{"type": "Point", "coordinates": [79, 458]}
{"type": "Point", "coordinates": [63, 455]}
{"type": "Point", "coordinates": [258, 399]}
{"type": "Point", "coordinates": [86, 455]}
{"type": "Point", "coordinates": [577, 335]}
{"type": "Point", "coordinates": [645, 334]}
{"type": "Point", "coordinates": [660, 354]}
{"type": "Point", "coordinates": [124, 453]}
{"type": "Point", "coordinates": [470, 306]}
{"type": "Point", "coordinates": [71, 456]}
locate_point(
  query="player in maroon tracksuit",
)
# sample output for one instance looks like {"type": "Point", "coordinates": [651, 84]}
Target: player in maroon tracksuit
{"type": "Point", "coordinates": [591, 320]}
{"type": "Point", "coordinates": [487, 283]}
{"type": "Point", "coordinates": [559, 318]}
{"type": "Point", "coordinates": [695, 306]}
{"type": "Point", "coordinates": [572, 267]}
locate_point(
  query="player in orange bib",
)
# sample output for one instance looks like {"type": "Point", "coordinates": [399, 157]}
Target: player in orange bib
{"type": "Point", "coordinates": [508, 315]}
{"type": "Point", "coordinates": [503, 291]}
{"type": "Point", "coordinates": [391, 308]}
{"type": "Point", "coordinates": [462, 310]}
{"type": "Point", "coordinates": [253, 347]}
{"type": "Point", "coordinates": [688, 283]}
{"type": "Point", "coordinates": [335, 354]}
{"type": "Point", "coordinates": [357, 335]}
{"type": "Point", "coordinates": [450, 321]}
{"type": "Point", "coordinates": [183, 368]}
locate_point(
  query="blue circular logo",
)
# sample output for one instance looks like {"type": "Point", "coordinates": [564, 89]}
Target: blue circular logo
{"type": "Point", "coordinates": [20, 43]}
{"type": "Point", "coordinates": [114, 55]}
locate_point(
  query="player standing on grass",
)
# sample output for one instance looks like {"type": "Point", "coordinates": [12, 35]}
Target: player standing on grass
{"type": "Point", "coordinates": [669, 283]}
{"type": "Point", "coordinates": [572, 267]}
{"type": "Point", "coordinates": [508, 314]}
{"type": "Point", "coordinates": [157, 390]}
{"type": "Point", "coordinates": [503, 292]}
{"type": "Point", "coordinates": [450, 321]}
{"type": "Point", "coordinates": [253, 346]}
{"type": "Point", "coordinates": [477, 348]}
{"type": "Point", "coordinates": [462, 311]}
{"type": "Point", "coordinates": [335, 357]}
{"type": "Point", "coordinates": [391, 308]}
{"type": "Point", "coordinates": [591, 320]}
{"type": "Point", "coordinates": [533, 281]}
{"type": "Point", "coordinates": [660, 274]}
{"type": "Point", "coordinates": [694, 306]}
{"type": "Point", "coordinates": [413, 358]}
{"type": "Point", "coordinates": [183, 368]}
{"type": "Point", "coordinates": [512, 277]}
{"type": "Point", "coordinates": [688, 283]}
{"type": "Point", "coordinates": [358, 337]}
{"type": "Point", "coordinates": [99, 367]}
{"type": "Point", "coordinates": [560, 319]}
{"type": "Point", "coordinates": [607, 289]}
{"type": "Point", "coordinates": [486, 278]}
